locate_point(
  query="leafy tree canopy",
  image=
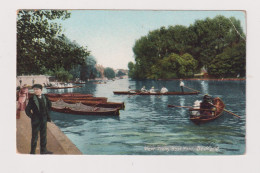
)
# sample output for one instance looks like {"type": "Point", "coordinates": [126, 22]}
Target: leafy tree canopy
{"type": "Point", "coordinates": [41, 46]}
{"type": "Point", "coordinates": [200, 44]}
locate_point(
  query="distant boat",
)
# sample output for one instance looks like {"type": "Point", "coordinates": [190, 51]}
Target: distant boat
{"type": "Point", "coordinates": [155, 93]}
{"type": "Point", "coordinates": [63, 87]}
{"type": "Point", "coordinates": [79, 82]}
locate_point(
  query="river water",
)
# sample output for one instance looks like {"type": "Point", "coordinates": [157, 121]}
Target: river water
{"type": "Point", "coordinates": [148, 127]}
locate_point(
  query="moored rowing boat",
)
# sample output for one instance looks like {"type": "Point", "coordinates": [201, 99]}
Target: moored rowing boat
{"type": "Point", "coordinates": [78, 95]}
{"type": "Point", "coordinates": [119, 105]}
{"type": "Point", "coordinates": [77, 99]}
{"type": "Point", "coordinates": [80, 109]}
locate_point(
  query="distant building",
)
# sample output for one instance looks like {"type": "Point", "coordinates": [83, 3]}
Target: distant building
{"type": "Point", "coordinates": [203, 73]}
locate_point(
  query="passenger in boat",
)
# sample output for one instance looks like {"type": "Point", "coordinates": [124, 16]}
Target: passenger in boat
{"type": "Point", "coordinates": [38, 110]}
{"type": "Point", "coordinates": [181, 85]}
{"type": "Point", "coordinates": [207, 105]}
{"type": "Point", "coordinates": [143, 89]}
{"type": "Point", "coordinates": [164, 90]}
{"type": "Point", "coordinates": [196, 108]}
{"type": "Point", "coordinates": [152, 90]}
{"type": "Point", "coordinates": [22, 98]}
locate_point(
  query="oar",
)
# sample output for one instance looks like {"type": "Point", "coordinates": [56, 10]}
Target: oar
{"type": "Point", "coordinates": [189, 107]}
{"type": "Point", "coordinates": [231, 113]}
{"type": "Point", "coordinates": [191, 89]}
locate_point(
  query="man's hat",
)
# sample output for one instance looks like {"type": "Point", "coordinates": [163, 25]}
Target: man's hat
{"type": "Point", "coordinates": [37, 86]}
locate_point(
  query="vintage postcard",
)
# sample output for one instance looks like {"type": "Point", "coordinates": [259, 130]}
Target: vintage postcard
{"type": "Point", "coordinates": [131, 82]}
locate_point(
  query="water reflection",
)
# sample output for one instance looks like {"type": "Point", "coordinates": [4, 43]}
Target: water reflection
{"type": "Point", "coordinates": [182, 103]}
{"type": "Point", "coordinates": [205, 87]}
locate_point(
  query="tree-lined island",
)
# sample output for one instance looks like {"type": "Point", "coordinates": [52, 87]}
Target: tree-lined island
{"type": "Point", "coordinates": [216, 45]}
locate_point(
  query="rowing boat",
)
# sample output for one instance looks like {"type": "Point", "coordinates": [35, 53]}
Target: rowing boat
{"type": "Point", "coordinates": [155, 93]}
{"type": "Point", "coordinates": [78, 99]}
{"type": "Point", "coordinates": [80, 109]}
{"type": "Point", "coordinates": [119, 105]}
{"type": "Point", "coordinates": [78, 95]}
{"type": "Point", "coordinates": [207, 116]}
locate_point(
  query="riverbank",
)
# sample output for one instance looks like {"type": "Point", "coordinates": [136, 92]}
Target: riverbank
{"type": "Point", "coordinates": [57, 141]}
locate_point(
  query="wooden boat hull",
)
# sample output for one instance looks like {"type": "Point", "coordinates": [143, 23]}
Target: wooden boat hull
{"type": "Point", "coordinates": [78, 95]}
{"type": "Point", "coordinates": [76, 99]}
{"type": "Point", "coordinates": [220, 106]}
{"type": "Point", "coordinates": [63, 107]}
{"type": "Point", "coordinates": [119, 105]}
{"type": "Point", "coordinates": [68, 111]}
{"type": "Point", "coordinates": [156, 93]}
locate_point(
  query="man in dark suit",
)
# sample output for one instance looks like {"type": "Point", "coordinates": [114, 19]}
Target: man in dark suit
{"type": "Point", "coordinates": [38, 110]}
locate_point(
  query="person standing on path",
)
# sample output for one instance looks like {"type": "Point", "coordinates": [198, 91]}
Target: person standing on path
{"type": "Point", "coordinates": [38, 110]}
{"type": "Point", "coordinates": [22, 98]}
{"type": "Point", "coordinates": [181, 85]}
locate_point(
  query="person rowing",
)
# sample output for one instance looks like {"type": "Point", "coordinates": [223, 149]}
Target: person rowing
{"type": "Point", "coordinates": [152, 90]}
{"type": "Point", "coordinates": [207, 106]}
{"type": "Point", "coordinates": [143, 89]}
{"type": "Point", "coordinates": [195, 108]}
{"type": "Point", "coordinates": [164, 90]}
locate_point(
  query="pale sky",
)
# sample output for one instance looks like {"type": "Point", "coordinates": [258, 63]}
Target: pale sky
{"type": "Point", "coordinates": [111, 34]}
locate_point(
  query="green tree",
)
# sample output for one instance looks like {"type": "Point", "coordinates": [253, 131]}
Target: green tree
{"type": "Point", "coordinates": [88, 70]}
{"type": "Point", "coordinates": [109, 73]}
{"type": "Point", "coordinates": [131, 71]}
{"type": "Point", "coordinates": [230, 63]}
{"type": "Point", "coordinates": [33, 28]}
{"type": "Point", "coordinates": [61, 74]}
{"type": "Point", "coordinates": [199, 44]}
{"type": "Point", "coordinates": [40, 44]}
{"type": "Point", "coordinates": [174, 66]}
